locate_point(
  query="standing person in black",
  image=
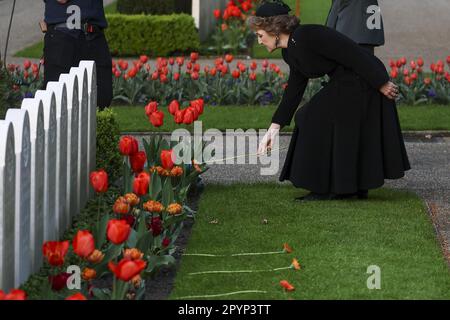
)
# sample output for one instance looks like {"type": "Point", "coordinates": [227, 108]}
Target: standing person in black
{"type": "Point", "coordinates": [360, 20]}
{"type": "Point", "coordinates": [347, 138]}
{"type": "Point", "coordinates": [65, 47]}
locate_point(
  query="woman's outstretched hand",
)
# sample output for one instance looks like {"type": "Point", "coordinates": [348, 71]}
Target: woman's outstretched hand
{"type": "Point", "coordinates": [268, 139]}
{"type": "Point", "coordinates": [390, 90]}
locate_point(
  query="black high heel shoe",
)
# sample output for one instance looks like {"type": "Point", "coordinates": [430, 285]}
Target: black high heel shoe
{"type": "Point", "coordinates": [312, 196]}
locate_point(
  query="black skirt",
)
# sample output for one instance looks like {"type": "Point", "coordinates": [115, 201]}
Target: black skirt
{"type": "Point", "coordinates": [346, 138]}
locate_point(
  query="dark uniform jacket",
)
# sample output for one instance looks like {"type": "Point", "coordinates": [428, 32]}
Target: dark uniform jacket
{"type": "Point", "coordinates": [351, 18]}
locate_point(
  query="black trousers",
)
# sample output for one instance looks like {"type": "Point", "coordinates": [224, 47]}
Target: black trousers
{"type": "Point", "coordinates": [63, 51]}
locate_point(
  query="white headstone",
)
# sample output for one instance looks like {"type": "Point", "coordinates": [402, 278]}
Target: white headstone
{"type": "Point", "coordinates": [37, 139]}
{"type": "Point", "coordinates": [73, 101]}
{"type": "Point", "coordinates": [7, 204]}
{"type": "Point", "coordinates": [21, 124]}
{"type": "Point", "coordinates": [92, 119]}
{"type": "Point", "coordinates": [83, 173]}
{"type": "Point", "coordinates": [62, 211]}
{"type": "Point", "coordinates": [49, 103]}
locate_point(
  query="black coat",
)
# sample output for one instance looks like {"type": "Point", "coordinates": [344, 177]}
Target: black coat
{"type": "Point", "coordinates": [347, 137]}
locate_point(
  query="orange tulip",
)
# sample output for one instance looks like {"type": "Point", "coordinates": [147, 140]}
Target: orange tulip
{"type": "Point", "coordinates": [88, 274]}
{"type": "Point", "coordinates": [99, 181]}
{"type": "Point", "coordinates": [132, 254]}
{"type": "Point", "coordinates": [55, 252]}
{"type": "Point", "coordinates": [295, 264]}
{"type": "Point", "coordinates": [83, 243]}
{"type": "Point", "coordinates": [132, 199]}
{"type": "Point", "coordinates": [126, 269]}
{"type": "Point", "coordinates": [174, 209]}
{"type": "Point", "coordinates": [121, 206]}
{"type": "Point", "coordinates": [117, 231]}
{"type": "Point", "coordinates": [153, 206]}
{"type": "Point", "coordinates": [96, 257]}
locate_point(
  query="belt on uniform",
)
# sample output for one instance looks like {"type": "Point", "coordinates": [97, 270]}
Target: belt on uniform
{"type": "Point", "coordinates": [85, 27]}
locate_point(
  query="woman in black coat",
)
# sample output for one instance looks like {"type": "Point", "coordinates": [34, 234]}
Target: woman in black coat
{"type": "Point", "coordinates": [347, 138]}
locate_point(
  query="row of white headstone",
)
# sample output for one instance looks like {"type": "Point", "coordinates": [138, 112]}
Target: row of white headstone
{"type": "Point", "coordinates": [47, 150]}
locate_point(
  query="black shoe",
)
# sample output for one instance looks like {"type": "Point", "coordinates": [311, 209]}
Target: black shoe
{"type": "Point", "coordinates": [361, 194]}
{"type": "Point", "coordinates": [312, 196]}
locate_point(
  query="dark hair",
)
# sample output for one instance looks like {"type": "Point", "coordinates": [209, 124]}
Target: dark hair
{"type": "Point", "coordinates": [275, 24]}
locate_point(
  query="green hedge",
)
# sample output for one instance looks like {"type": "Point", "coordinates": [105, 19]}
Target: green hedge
{"type": "Point", "coordinates": [133, 35]}
{"type": "Point", "coordinates": [154, 6]}
{"type": "Point", "coordinates": [108, 136]}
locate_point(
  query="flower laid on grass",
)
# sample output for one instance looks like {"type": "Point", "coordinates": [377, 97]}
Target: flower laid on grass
{"type": "Point", "coordinates": [294, 265]}
{"type": "Point", "coordinates": [286, 249]}
{"type": "Point", "coordinates": [286, 285]}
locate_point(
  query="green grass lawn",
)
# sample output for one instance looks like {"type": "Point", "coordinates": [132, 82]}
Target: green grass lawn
{"type": "Point", "coordinates": [432, 117]}
{"type": "Point", "coordinates": [311, 12]}
{"type": "Point", "coordinates": [334, 241]}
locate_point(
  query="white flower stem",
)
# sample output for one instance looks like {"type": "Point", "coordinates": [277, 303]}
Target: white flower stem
{"type": "Point", "coordinates": [221, 294]}
{"type": "Point", "coordinates": [236, 271]}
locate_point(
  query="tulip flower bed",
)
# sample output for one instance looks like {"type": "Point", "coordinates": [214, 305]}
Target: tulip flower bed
{"type": "Point", "coordinates": [417, 87]}
{"type": "Point", "coordinates": [129, 241]}
{"type": "Point", "coordinates": [236, 247]}
{"type": "Point", "coordinates": [220, 84]}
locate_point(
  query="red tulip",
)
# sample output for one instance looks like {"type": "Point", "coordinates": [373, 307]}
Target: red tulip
{"type": "Point", "coordinates": [166, 159]}
{"type": "Point", "coordinates": [217, 13]}
{"type": "Point", "coordinates": [59, 281]}
{"type": "Point", "coordinates": [55, 252]}
{"type": "Point", "coordinates": [247, 5]}
{"type": "Point", "coordinates": [228, 58]}
{"type": "Point", "coordinates": [128, 145]}
{"type": "Point", "coordinates": [218, 61]}
{"type": "Point", "coordinates": [35, 68]}
{"type": "Point", "coordinates": [141, 183]}
{"type": "Point", "coordinates": [198, 105]}
{"type": "Point", "coordinates": [157, 118]}
{"type": "Point", "coordinates": [427, 81]}
{"type": "Point", "coordinates": [180, 61]}
{"type": "Point", "coordinates": [188, 117]}
{"type": "Point", "coordinates": [412, 64]}
{"type": "Point", "coordinates": [420, 62]}
{"type": "Point", "coordinates": [394, 73]}
{"type": "Point", "coordinates": [236, 74]}
{"type": "Point", "coordinates": [165, 242]}
{"type": "Point", "coordinates": [392, 63]}
{"type": "Point", "coordinates": [123, 65]}
{"type": "Point", "coordinates": [27, 64]}
{"type": "Point", "coordinates": [433, 67]}
{"type": "Point", "coordinates": [414, 76]}
{"type": "Point", "coordinates": [265, 63]}
{"type": "Point", "coordinates": [194, 112]}
{"type": "Point", "coordinates": [194, 56]}
{"type": "Point", "coordinates": [194, 75]}
{"type": "Point", "coordinates": [126, 269]}
{"type": "Point", "coordinates": [117, 231]}
{"type": "Point", "coordinates": [196, 67]}
{"type": "Point", "coordinates": [213, 72]}
{"type": "Point", "coordinates": [155, 75]}
{"type": "Point", "coordinates": [176, 76]}
{"type": "Point", "coordinates": [163, 78]}
{"type": "Point", "coordinates": [76, 296]}
{"type": "Point", "coordinates": [137, 161]}
{"type": "Point", "coordinates": [419, 70]}
{"type": "Point", "coordinates": [174, 106]}
{"type": "Point", "coordinates": [253, 76]}
{"type": "Point", "coordinates": [403, 60]}
{"type": "Point", "coordinates": [83, 243]}
{"type": "Point", "coordinates": [14, 294]}
{"type": "Point", "coordinates": [99, 181]}
{"type": "Point", "coordinates": [407, 80]}
{"type": "Point", "coordinates": [117, 74]}
{"type": "Point", "coordinates": [405, 72]}
{"type": "Point", "coordinates": [132, 73]}
{"type": "Point", "coordinates": [179, 115]}
{"type": "Point", "coordinates": [151, 107]}
{"type": "Point", "coordinates": [143, 59]}
{"type": "Point", "coordinates": [242, 68]}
